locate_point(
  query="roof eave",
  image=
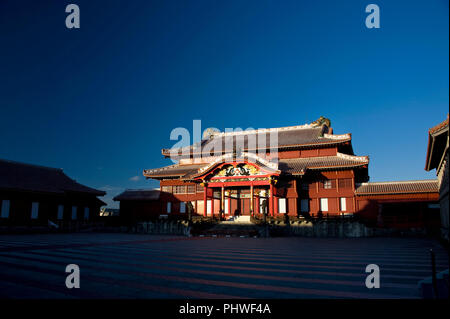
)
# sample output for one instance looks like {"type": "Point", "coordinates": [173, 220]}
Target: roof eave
{"type": "Point", "coordinates": [342, 141]}
{"type": "Point", "coordinates": [397, 193]}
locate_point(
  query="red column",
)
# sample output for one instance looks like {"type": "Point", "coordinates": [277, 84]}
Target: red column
{"type": "Point", "coordinates": [251, 201]}
{"type": "Point", "coordinates": [271, 200]}
{"type": "Point", "coordinates": [222, 199]}
{"type": "Point", "coordinates": [212, 203]}
{"type": "Point", "coordinates": [205, 200]}
{"type": "Point", "coordinates": [257, 205]}
{"type": "Point", "coordinates": [275, 209]}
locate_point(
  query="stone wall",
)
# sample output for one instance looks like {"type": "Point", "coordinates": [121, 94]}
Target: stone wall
{"type": "Point", "coordinates": [327, 228]}
{"type": "Point", "coordinates": [179, 227]}
{"type": "Point", "coordinates": [324, 228]}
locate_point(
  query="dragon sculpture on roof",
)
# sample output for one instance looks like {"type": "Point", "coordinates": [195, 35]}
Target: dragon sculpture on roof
{"type": "Point", "coordinates": [321, 121]}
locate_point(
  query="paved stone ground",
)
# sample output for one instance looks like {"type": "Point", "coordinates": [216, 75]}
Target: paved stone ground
{"type": "Point", "coordinates": [150, 266]}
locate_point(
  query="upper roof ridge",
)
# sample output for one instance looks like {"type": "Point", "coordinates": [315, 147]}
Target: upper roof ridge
{"type": "Point", "coordinates": [31, 165]}
{"type": "Point", "coordinates": [266, 130]}
{"type": "Point", "coordinates": [396, 182]}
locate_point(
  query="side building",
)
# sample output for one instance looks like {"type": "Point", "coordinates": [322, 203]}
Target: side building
{"type": "Point", "coordinates": [400, 204]}
{"type": "Point", "coordinates": [32, 195]}
{"type": "Point", "coordinates": [437, 158]}
{"type": "Point", "coordinates": [139, 204]}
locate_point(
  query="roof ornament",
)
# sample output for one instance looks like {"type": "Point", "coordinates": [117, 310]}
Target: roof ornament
{"type": "Point", "coordinates": [324, 122]}
{"type": "Point", "coordinates": [321, 121]}
{"type": "Point", "coordinates": [210, 132]}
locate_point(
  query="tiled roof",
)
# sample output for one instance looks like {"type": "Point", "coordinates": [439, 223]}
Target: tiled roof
{"type": "Point", "coordinates": [287, 137]}
{"type": "Point", "coordinates": [138, 194]}
{"type": "Point", "coordinates": [175, 170]}
{"type": "Point", "coordinates": [401, 187]}
{"type": "Point", "coordinates": [437, 146]}
{"type": "Point", "coordinates": [28, 177]}
{"type": "Point", "coordinates": [439, 127]}
{"type": "Point", "coordinates": [298, 166]}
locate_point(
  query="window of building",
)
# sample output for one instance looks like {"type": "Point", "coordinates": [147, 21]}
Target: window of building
{"type": "Point", "coordinates": [74, 212]}
{"type": "Point", "coordinates": [345, 183]}
{"type": "Point", "coordinates": [329, 184]}
{"type": "Point", "coordinates": [324, 204]}
{"type": "Point", "coordinates": [34, 210]}
{"type": "Point", "coordinates": [86, 213]}
{"type": "Point", "coordinates": [282, 205]}
{"type": "Point", "coordinates": [304, 205]}
{"type": "Point", "coordinates": [169, 207]}
{"type": "Point", "coordinates": [200, 188]}
{"type": "Point", "coordinates": [60, 212]}
{"type": "Point", "coordinates": [208, 207]}
{"type": "Point", "coordinates": [191, 189]}
{"type": "Point", "coordinates": [167, 189]}
{"type": "Point", "coordinates": [343, 204]}
{"type": "Point", "coordinates": [182, 207]}
{"type": "Point", "coordinates": [180, 189]}
{"type": "Point", "coordinates": [5, 209]}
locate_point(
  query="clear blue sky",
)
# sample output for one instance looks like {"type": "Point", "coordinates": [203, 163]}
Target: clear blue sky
{"type": "Point", "coordinates": [101, 101]}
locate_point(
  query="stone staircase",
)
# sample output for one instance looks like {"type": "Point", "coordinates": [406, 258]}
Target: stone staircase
{"type": "Point", "coordinates": [235, 226]}
{"type": "Point", "coordinates": [238, 220]}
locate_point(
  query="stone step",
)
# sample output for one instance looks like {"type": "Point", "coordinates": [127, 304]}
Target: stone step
{"type": "Point", "coordinates": [232, 228]}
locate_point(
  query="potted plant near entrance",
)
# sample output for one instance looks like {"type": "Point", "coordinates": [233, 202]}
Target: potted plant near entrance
{"type": "Point", "coordinates": [190, 209]}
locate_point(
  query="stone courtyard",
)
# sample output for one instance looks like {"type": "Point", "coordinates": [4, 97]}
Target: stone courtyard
{"type": "Point", "coordinates": [157, 266]}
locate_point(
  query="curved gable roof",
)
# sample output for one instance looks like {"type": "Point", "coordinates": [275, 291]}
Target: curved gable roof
{"type": "Point", "coordinates": [29, 177]}
{"type": "Point", "coordinates": [250, 140]}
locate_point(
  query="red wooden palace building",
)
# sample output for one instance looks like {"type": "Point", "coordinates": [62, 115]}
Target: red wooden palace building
{"type": "Point", "coordinates": [310, 172]}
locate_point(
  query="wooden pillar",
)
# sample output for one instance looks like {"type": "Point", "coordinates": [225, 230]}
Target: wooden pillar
{"type": "Point", "coordinates": [354, 195]}
{"type": "Point", "coordinates": [258, 209]}
{"type": "Point", "coordinates": [212, 202]}
{"type": "Point", "coordinates": [296, 199]}
{"type": "Point", "coordinates": [222, 200]}
{"type": "Point", "coordinates": [251, 200]}
{"type": "Point", "coordinates": [205, 200]}
{"type": "Point", "coordinates": [271, 200]}
{"type": "Point", "coordinates": [354, 204]}
{"type": "Point", "coordinates": [275, 206]}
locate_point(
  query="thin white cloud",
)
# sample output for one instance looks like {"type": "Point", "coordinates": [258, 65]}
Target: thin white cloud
{"type": "Point", "coordinates": [109, 188]}
{"type": "Point", "coordinates": [135, 178]}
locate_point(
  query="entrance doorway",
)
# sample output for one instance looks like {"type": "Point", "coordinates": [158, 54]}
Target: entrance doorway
{"type": "Point", "coordinates": [238, 200]}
